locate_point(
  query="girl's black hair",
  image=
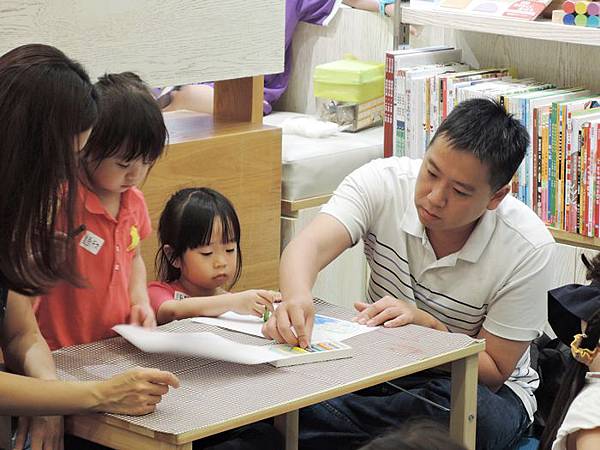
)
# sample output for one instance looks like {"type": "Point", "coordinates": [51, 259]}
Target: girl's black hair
{"type": "Point", "coordinates": [574, 378]}
{"type": "Point", "coordinates": [130, 125]}
{"type": "Point", "coordinates": [416, 434]}
{"type": "Point", "coordinates": [186, 223]}
{"type": "Point", "coordinates": [46, 101]}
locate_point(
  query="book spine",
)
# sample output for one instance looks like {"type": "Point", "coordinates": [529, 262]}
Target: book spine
{"type": "Point", "coordinates": [597, 193]}
{"type": "Point", "coordinates": [388, 112]}
{"type": "Point", "coordinates": [539, 163]}
{"type": "Point", "coordinates": [534, 156]}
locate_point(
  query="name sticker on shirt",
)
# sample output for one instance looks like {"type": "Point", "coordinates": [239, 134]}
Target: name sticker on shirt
{"type": "Point", "coordinates": [91, 242]}
{"type": "Point", "coordinates": [179, 295]}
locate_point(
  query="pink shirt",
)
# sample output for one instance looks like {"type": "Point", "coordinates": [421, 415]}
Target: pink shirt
{"type": "Point", "coordinates": [160, 292]}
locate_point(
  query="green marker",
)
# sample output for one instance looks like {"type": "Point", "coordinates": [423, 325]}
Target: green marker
{"type": "Point", "coordinates": [266, 314]}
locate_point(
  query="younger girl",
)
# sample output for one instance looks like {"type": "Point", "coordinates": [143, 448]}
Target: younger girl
{"type": "Point", "coordinates": [125, 142]}
{"type": "Point", "coordinates": [574, 313]}
{"type": "Point", "coordinates": [199, 258]}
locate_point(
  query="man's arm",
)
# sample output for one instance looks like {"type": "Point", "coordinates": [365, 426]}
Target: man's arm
{"type": "Point", "coordinates": [496, 363]}
{"type": "Point", "coordinates": [141, 311]}
{"type": "Point", "coordinates": [499, 359]}
{"type": "Point", "coordinates": [586, 439]}
{"type": "Point", "coordinates": [306, 255]}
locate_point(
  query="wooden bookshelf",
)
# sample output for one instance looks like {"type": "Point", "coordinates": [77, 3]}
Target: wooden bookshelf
{"type": "Point", "coordinates": [565, 237]}
{"type": "Point", "coordinates": [483, 23]}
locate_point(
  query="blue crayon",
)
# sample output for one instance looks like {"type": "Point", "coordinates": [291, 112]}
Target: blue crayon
{"type": "Point", "coordinates": [569, 19]}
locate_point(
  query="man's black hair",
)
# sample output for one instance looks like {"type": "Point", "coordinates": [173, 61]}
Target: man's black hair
{"type": "Point", "coordinates": [495, 137]}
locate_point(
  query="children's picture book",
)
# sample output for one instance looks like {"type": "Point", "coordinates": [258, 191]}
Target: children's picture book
{"type": "Point", "coordinates": [325, 328]}
{"type": "Point", "coordinates": [513, 9]}
{"type": "Point", "coordinates": [210, 345]}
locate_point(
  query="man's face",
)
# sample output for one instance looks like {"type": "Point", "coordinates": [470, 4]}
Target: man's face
{"type": "Point", "coordinates": [452, 190]}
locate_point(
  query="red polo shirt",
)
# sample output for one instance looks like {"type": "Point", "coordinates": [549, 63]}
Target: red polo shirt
{"type": "Point", "coordinates": [69, 315]}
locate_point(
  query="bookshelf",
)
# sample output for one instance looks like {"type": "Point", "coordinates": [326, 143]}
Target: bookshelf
{"type": "Point", "coordinates": [548, 52]}
{"type": "Point", "coordinates": [565, 237]}
{"type": "Point", "coordinates": [538, 29]}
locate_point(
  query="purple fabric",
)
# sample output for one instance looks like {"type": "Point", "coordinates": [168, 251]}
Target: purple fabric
{"type": "Point", "coordinates": [310, 11]}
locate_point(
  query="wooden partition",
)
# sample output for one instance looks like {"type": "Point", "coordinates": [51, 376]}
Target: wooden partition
{"type": "Point", "coordinates": [171, 42]}
{"type": "Point", "coordinates": [235, 154]}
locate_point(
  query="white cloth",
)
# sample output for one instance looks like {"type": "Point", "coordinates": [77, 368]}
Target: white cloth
{"type": "Point", "coordinates": [498, 280]}
{"type": "Point", "coordinates": [583, 414]}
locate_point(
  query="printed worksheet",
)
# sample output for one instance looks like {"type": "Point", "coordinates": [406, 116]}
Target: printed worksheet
{"type": "Point", "coordinates": [206, 345]}
{"type": "Point", "coordinates": [325, 329]}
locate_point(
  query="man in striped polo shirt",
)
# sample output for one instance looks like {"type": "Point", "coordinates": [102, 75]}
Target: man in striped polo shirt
{"type": "Point", "coordinates": [449, 249]}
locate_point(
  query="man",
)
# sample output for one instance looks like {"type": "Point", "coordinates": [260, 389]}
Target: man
{"type": "Point", "coordinates": [448, 249]}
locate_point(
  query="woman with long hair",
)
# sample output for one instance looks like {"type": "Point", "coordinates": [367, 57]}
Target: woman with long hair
{"type": "Point", "coordinates": [47, 109]}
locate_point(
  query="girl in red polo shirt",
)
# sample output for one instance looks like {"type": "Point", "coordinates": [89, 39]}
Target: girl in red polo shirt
{"type": "Point", "coordinates": [127, 139]}
{"type": "Point", "coordinates": [200, 258]}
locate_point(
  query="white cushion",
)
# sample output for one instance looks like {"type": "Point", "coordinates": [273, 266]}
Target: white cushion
{"type": "Point", "coordinates": [313, 167]}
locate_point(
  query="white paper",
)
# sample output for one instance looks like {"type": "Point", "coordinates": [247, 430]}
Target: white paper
{"type": "Point", "coordinates": [206, 345]}
{"type": "Point", "coordinates": [325, 328]}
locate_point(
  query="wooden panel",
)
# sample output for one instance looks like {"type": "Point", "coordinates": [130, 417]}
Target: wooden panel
{"type": "Point", "coordinates": [96, 429]}
{"type": "Point", "coordinates": [291, 207]}
{"type": "Point", "coordinates": [240, 100]}
{"type": "Point", "coordinates": [244, 166]}
{"type": "Point", "coordinates": [165, 41]}
{"type": "Point", "coordinates": [366, 35]}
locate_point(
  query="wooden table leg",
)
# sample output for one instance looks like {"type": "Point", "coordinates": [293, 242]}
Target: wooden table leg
{"type": "Point", "coordinates": [287, 424]}
{"type": "Point", "coordinates": [463, 404]}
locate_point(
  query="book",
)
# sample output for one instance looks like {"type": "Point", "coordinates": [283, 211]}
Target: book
{"type": "Point", "coordinates": [406, 58]}
{"type": "Point", "coordinates": [315, 352]}
{"type": "Point", "coordinates": [513, 9]}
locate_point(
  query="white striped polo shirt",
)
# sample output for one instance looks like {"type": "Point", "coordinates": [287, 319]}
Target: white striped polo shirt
{"type": "Point", "coordinates": [498, 280]}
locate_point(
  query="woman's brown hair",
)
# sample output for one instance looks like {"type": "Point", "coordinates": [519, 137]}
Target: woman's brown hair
{"type": "Point", "coordinates": [46, 101]}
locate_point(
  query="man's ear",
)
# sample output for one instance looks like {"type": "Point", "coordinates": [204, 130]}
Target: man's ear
{"type": "Point", "coordinates": [498, 197]}
{"type": "Point", "coordinates": [168, 251]}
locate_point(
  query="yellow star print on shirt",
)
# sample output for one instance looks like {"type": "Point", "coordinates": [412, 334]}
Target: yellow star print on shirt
{"type": "Point", "coordinates": [135, 238]}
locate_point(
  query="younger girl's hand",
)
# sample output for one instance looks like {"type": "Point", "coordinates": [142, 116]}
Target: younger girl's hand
{"type": "Point", "coordinates": [254, 302]}
{"type": "Point", "coordinates": [135, 392]}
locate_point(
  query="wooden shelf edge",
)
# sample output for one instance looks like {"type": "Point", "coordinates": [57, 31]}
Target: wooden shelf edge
{"type": "Point", "coordinates": [564, 237]}
{"type": "Point", "coordinates": [186, 126]}
{"type": "Point", "coordinates": [290, 207]}
{"type": "Point", "coordinates": [483, 23]}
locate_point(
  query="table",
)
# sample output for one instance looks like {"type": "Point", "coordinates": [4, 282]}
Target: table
{"type": "Point", "coordinates": [216, 396]}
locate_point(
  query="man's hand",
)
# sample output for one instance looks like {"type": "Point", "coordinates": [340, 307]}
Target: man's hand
{"type": "Point", "coordinates": [46, 433]}
{"type": "Point", "coordinates": [299, 314]}
{"type": "Point", "coordinates": [391, 312]}
{"type": "Point", "coordinates": [143, 316]}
